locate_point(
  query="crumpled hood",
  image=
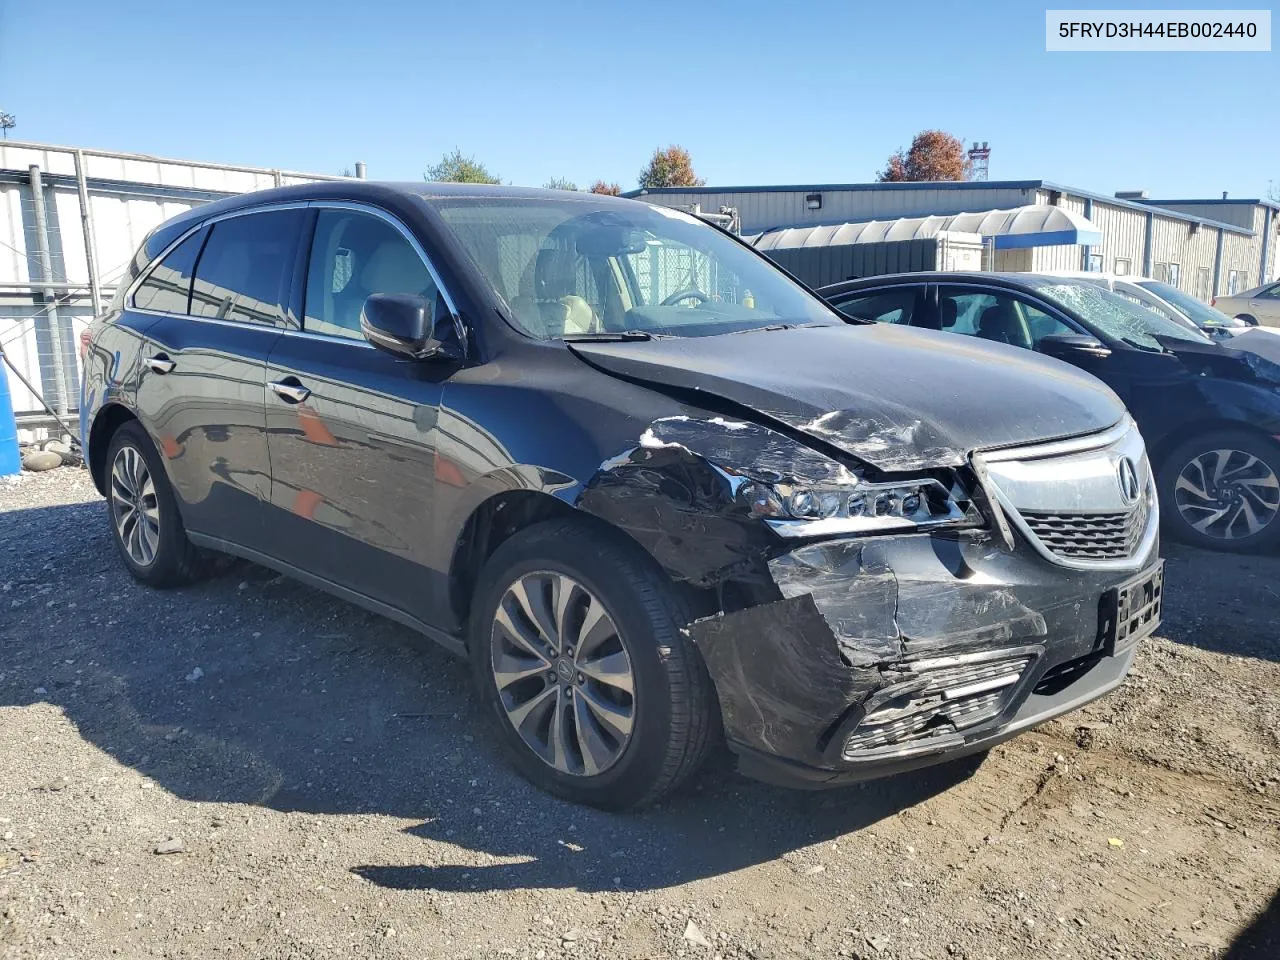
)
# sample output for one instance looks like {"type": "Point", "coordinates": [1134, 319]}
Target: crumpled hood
{"type": "Point", "coordinates": [897, 399]}
{"type": "Point", "coordinates": [1250, 356]}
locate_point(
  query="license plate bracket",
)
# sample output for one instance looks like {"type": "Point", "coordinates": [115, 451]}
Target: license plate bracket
{"type": "Point", "coordinates": [1130, 611]}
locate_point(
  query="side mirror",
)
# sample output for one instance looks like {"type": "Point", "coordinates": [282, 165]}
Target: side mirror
{"type": "Point", "coordinates": [1072, 346]}
{"type": "Point", "coordinates": [404, 324]}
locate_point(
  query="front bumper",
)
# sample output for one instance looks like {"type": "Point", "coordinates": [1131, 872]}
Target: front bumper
{"type": "Point", "coordinates": [945, 645]}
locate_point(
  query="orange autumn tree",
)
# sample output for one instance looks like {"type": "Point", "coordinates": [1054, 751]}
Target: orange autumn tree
{"type": "Point", "coordinates": [670, 167]}
{"type": "Point", "coordinates": [933, 155]}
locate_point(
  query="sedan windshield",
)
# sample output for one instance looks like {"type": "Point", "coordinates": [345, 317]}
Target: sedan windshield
{"type": "Point", "coordinates": [581, 267]}
{"type": "Point", "coordinates": [1114, 315]}
{"type": "Point", "coordinates": [1201, 313]}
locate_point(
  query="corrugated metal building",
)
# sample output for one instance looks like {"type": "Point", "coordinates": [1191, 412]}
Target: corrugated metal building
{"type": "Point", "coordinates": [1205, 247]}
{"type": "Point", "coordinates": [60, 256]}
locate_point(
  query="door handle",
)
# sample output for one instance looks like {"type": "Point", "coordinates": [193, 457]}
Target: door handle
{"type": "Point", "coordinates": [290, 390]}
{"type": "Point", "coordinates": [160, 364]}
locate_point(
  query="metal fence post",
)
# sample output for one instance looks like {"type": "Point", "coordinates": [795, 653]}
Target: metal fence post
{"type": "Point", "coordinates": [50, 295]}
{"type": "Point", "coordinates": [86, 225]}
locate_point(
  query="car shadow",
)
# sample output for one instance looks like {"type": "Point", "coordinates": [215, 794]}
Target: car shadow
{"type": "Point", "coordinates": [723, 823]}
{"type": "Point", "coordinates": [1205, 590]}
{"type": "Point", "coordinates": [1261, 939]}
{"type": "Point", "coordinates": [250, 688]}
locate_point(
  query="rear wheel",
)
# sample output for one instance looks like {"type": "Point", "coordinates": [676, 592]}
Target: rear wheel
{"type": "Point", "coordinates": [145, 522]}
{"type": "Point", "coordinates": [1222, 491]}
{"type": "Point", "coordinates": [576, 648]}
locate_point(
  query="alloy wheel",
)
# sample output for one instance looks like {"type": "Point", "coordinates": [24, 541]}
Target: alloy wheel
{"type": "Point", "coordinates": [563, 674]}
{"type": "Point", "coordinates": [1227, 494]}
{"type": "Point", "coordinates": [134, 506]}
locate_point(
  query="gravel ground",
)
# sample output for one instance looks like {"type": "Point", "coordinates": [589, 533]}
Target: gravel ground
{"type": "Point", "coordinates": [326, 782]}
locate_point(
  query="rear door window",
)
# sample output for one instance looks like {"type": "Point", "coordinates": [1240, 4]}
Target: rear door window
{"type": "Point", "coordinates": [883, 306]}
{"type": "Point", "coordinates": [167, 288]}
{"type": "Point", "coordinates": [244, 272]}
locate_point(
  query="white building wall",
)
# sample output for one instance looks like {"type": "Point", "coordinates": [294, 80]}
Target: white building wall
{"type": "Point", "coordinates": [1123, 236]}
{"type": "Point", "coordinates": [129, 195]}
{"type": "Point", "coordinates": [763, 210]}
{"type": "Point", "coordinates": [1242, 255]}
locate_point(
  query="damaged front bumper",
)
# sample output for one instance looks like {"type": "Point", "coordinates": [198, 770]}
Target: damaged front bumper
{"type": "Point", "coordinates": [887, 654]}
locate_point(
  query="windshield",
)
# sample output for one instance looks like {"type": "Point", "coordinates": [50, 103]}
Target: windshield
{"type": "Point", "coordinates": [1116, 316]}
{"type": "Point", "coordinates": [1201, 313]}
{"type": "Point", "coordinates": [571, 268]}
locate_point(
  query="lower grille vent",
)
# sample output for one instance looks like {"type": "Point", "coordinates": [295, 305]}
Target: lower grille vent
{"type": "Point", "coordinates": [941, 700]}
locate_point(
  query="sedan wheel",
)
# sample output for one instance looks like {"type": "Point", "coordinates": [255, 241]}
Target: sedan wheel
{"type": "Point", "coordinates": [134, 506]}
{"type": "Point", "coordinates": [1227, 494]}
{"type": "Point", "coordinates": [563, 674]}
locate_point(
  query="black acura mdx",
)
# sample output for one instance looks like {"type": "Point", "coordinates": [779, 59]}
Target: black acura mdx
{"type": "Point", "coordinates": [659, 494]}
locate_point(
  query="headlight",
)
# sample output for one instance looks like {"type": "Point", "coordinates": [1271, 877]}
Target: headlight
{"type": "Point", "coordinates": [794, 510]}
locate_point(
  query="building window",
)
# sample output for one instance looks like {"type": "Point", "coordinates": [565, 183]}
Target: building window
{"type": "Point", "coordinates": [1093, 263]}
{"type": "Point", "coordinates": [1203, 289]}
{"type": "Point", "coordinates": [1175, 275]}
{"type": "Point", "coordinates": [1236, 281]}
{"type": "Point", "coordinates": [1123, 267]}
{"type": "Point", "coordinates": [1161, 272]}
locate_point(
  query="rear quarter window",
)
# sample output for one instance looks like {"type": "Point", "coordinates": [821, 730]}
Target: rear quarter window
{"type": "Point", "coordinates": [167, 288]}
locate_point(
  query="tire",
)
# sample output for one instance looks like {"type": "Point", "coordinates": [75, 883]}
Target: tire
{"type": "Point", "coordinates": [1245, 494]}
{"type": "Point", "coordinates": [154, 547]}
{"type": "Point", "coordinates": [672, 709]}
{"type": "Point", "coordinates": [1247, 318]}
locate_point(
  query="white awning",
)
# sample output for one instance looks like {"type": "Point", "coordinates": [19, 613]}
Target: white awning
{"type": "Point", "coordinates": [1037, 225]}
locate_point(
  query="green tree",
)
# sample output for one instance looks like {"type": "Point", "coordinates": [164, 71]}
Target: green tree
{"type": "Point", "coordinates": [670, 167]}
{"type": "Point", "coordinates": [933, 155]}
{"type": "Point", "coordinates": [610, 189]}
{"type": "Point", "coordinates": [455, 168]}
{"type": "Point", "coordinates": [560, 183]}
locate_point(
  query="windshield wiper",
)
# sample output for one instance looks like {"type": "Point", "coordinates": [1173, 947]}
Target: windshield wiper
{"type": "Point", "coordinates": [607, 337]}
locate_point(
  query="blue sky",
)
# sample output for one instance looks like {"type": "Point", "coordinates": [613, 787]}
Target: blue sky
{"type": "Point", "coordinates": [803, 92]}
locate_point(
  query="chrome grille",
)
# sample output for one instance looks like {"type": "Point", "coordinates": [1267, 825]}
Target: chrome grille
{"type": "Point", "coordinates": [1073, 499]}
{"type": "Point", "coordinates": [1090, 536]}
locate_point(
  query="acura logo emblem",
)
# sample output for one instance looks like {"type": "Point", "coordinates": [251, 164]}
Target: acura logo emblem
{"type": "Point", "coordinates": [1127, 474]}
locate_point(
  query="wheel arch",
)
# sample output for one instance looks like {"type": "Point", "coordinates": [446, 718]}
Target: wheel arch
{"type": "Point", "coordinates": [503, 515]}
{"type": "Point", "coordinates": [105, 423]}
{"type": "Point", "coordinates": [1160, 451]}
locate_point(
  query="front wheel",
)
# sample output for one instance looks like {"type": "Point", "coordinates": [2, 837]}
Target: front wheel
{"type": "Point", "coordinates": [577, 650]}
{"type": "Point", "coordinates": [1222, 491]}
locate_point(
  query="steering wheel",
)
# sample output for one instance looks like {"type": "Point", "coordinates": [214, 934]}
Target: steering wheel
{"type": "Point", "coordinates": [689, 293]}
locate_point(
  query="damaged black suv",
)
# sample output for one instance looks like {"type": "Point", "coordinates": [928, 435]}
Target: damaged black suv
{"type": "Point", "coordinates": [659, 494]}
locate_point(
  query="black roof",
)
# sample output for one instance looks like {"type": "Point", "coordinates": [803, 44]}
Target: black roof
{"type": "Point", "coordinates": [373, 191]}
{"type": "Point", "coordinates": [1022, 280]}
